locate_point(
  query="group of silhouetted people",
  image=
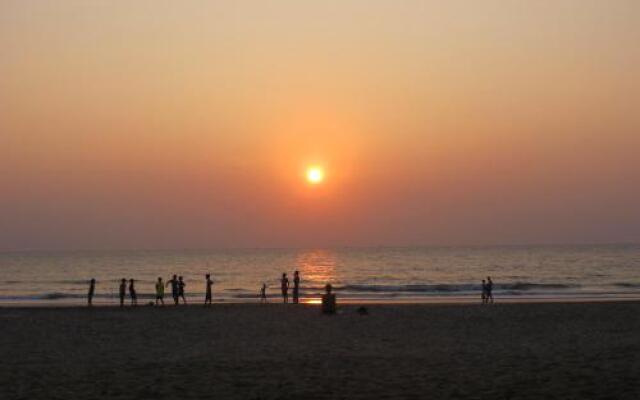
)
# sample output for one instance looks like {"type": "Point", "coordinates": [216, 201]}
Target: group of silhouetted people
{"type": "Point", "coordinates": [487, 291]}
{"type": "Point", "coordinates": [132, 292]}
{"type": "Point", "coordinates": [177, 290]}
{"type": "Point", "coordinates": [284, 286]}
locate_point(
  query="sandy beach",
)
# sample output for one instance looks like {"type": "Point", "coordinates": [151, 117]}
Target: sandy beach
{"type": "Point", "coordinates": [250, 351]}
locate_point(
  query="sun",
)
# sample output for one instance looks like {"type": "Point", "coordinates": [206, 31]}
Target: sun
{"type": "Point", "coordinates": [315, 175]}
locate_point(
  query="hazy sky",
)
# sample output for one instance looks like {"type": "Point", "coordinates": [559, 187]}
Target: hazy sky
{"type": "Point", "coordinates": [173, 124]}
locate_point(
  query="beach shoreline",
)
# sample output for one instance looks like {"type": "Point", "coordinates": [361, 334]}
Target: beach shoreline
{"type": "Point", "coordinates": [275, 351]}
{"type": "Point", "coordinates": [314, 301]}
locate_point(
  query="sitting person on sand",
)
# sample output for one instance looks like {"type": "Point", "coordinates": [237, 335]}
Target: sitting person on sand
{"type": "Point", "coordinates": [328, 301]}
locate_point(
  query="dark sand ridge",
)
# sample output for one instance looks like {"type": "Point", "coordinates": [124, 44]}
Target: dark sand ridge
{"type": "Point", "coordinates": [245, 351]}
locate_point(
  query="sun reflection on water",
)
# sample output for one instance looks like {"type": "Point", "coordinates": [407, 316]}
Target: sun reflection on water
{"type": "Point", "coordinates": [317, 268]}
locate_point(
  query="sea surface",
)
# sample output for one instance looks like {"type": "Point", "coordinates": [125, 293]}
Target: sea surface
{"type": "Point", "coordinates": [415, 274]}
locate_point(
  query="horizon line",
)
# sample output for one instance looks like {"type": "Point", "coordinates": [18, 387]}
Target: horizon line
{"type": "Point", "coordinates": [314, 248]}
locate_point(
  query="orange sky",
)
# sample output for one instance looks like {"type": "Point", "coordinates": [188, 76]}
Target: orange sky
{"type": "Point", "coordinates": [190, 124]}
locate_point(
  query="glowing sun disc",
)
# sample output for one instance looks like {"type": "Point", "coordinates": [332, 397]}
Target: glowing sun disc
{"type": "Point", "coordinates": [315, 175]}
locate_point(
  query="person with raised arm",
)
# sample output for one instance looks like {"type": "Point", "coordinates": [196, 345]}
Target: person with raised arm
{"type": "Point", "coordinates": [174, 288]}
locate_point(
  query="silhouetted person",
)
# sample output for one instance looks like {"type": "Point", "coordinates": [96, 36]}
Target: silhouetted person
{"type": "Point", "coordinates": [484, 292]}
{"type": "Point", "coordinates": [263, 293]}
{"type": "Point", "coordinates": [284, 286]}
{"type": "Point", "coordinates": [160, 291]}
{"type": "Point", "coordinates": [92, 290]}
{"type": "Point", "coordinates": [132, 293]}
{"type": "Point", "coordinates": [174, 288]}
{"type": "Point", "coordinates": [123, 291]}
{"type": "Point", "coordinates": [489, 289]}
{"type": "Point", "coordinates": [181, 286]}
{"type": "Point", "coordinates": [328, 301]}
{"type": "Point", "coordinates": [296, 287]}
{"type": "Point", "coordinates": [207, 297]}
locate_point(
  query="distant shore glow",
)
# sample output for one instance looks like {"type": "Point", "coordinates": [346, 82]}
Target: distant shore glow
{"type": "Point", "coordinates": [315, 175]}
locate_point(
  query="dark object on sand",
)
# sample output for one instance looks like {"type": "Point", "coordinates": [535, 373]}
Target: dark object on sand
{"type": "Point", "coordinates": [328, 301]}
{"type": "Point", "coordinates": [363, 310]}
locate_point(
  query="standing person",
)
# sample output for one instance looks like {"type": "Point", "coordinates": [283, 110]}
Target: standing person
{"type": "Point", "coordinates": [207, 297]}
{"type": "Point", "coordinates": [284, 285]}
{"type": "Point", "coordinates": [132, 293]}
{"type": "Point", "coordinates": [123, 291]}
{"type": "Point", "coordinates": [484, 292]}
{"type": "Point", "coordinates": [263, 293]}
{"type": "Point", "coordinates": [160, 291]}
{"type": "Point", "coordinates": [181, 286]}
{"type": "Point", "coordinates": [92, 290]}
{"type": "Point", "coordinates": [296, 287]}
{"type": "Point", "coordinates": [174, 288]}
{"type": "Point", "coordinates": [489, 290]}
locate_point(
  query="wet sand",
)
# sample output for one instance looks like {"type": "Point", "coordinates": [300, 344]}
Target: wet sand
{"type": "Point", "coordinates": [250, 351]}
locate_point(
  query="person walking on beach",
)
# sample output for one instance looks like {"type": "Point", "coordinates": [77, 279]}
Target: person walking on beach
{"type": "Point", "coordinates": [132, 293]}
{"type": "Point", "coordinates": [92, 290]}
{"type": "Point", "coordinates": [123, 291]}
{"type": "Point", "coordinates": [181, 286]}
{"type": "Point", "coordinates": [263, 293]}
{"type": "Point", "coordinates": [174, 288]}
{"type": "Point", "coordinates": [284, 286]}
{"type": "Point", "coordinates": [296, 287]}
{"type": "Point", "coordinates": [484, 292]}
{"type": "Point", "coordinates": [207, 297]}
{"type": "Point", "coordinates": [160, 291]}
{"type": "Point", "coordinates": [489, 290]}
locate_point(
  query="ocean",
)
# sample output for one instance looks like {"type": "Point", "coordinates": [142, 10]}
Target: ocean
{"type": "Point", "coordinates": [381, 274]}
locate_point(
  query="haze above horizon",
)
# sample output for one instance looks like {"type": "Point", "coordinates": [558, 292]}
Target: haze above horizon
{"type": "Point", "coordinates": [342, 123]}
